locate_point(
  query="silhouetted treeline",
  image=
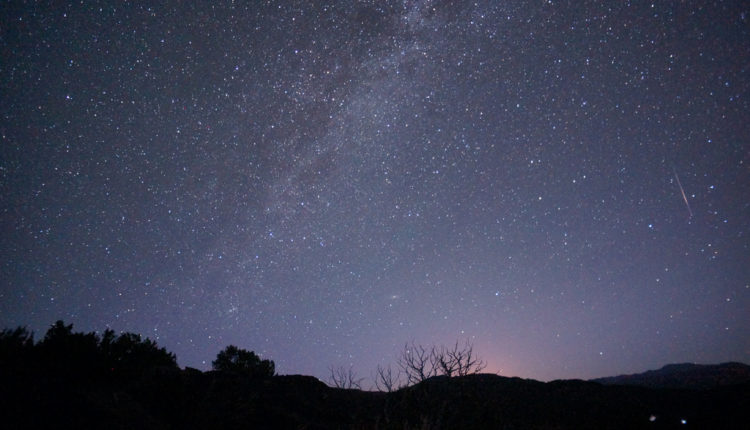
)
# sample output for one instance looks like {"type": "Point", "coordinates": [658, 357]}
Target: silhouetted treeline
{"type": "Point", "coordinates": [81, 354]}
{"type": "Point", "coordinates": [86, 380]}
{"type": "Point", "coordinates": [81, 380]}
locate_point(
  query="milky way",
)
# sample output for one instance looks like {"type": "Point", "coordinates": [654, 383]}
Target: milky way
{"type": "Point", "coordinates": [322, 183]}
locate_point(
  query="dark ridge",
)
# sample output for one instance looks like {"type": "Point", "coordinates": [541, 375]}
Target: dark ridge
{"type": "Point", "coordinates": [685, 376]}
{"type": "Point", "coordinates": [190, 399]}
{"type": "Point", "coordinates": [77, 380]}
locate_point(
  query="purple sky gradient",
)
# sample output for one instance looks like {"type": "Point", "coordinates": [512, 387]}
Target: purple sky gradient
{"type": "Point", "coordinates": [324, 183]}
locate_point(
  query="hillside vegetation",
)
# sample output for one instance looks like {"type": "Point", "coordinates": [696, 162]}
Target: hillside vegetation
{"type": "Point", "coordinates": [77, 380]}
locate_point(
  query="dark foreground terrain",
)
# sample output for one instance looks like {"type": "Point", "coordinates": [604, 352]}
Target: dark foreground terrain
{"type": "Point", "coordinates": [178, 399]}
{"type": "Point", "coordinates": [78, 380]}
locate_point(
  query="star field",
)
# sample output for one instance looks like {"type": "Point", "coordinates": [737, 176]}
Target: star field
{"type": "Point", "coordinates": [321, 182]}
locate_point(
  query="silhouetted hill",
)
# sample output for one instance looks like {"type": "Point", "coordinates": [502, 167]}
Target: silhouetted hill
{"type": "Point", "coordinates": [491, 401]}
{"type": "Point", "coordinates": [76, 380]}
{"type": "Point", "coordinates": [685, 375]}
{"type": "Point", "coordinates": [190, 399]}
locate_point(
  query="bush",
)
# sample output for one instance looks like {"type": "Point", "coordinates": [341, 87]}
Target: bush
{"type": "Point", "coordinates": [235, 359]}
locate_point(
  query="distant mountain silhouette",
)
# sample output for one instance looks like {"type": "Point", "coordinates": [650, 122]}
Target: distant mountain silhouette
{"type": "Point", "coordinates": [685, 375]}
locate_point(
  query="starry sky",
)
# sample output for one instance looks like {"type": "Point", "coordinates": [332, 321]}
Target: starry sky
{"type": "Point", "coordinates": [566, 184]}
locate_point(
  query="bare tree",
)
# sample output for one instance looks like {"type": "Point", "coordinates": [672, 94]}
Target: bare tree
{"type": "Point", "coordinates": [417, 363]}
{"type": "Point", "coordinates": [443, 360]}
{"type": "Point", "coordinates": [345, 378]}
{"type": "Point", "coordinates": [385, 380]}
{"type": "Point", "coordinates": [458, 361]}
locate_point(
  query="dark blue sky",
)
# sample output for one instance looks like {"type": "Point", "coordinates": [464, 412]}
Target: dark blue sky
{"type": "Point", "coordinates": [323, 183]}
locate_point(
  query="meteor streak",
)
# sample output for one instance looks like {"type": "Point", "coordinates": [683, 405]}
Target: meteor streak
{"type": "Point", "coordinates": [682, 191]}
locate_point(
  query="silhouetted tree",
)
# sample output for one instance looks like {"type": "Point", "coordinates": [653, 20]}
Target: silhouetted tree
{"type": "Point", "coordinates": [345, 378]}
{"type": "Point", "coordinates": [18, 338]}
{"type": "Point", "coordinates": [128, 352]}
{"type": "Point", "coordinates": [16, 347]}
{"type": "Point", "coordinates": [416, 363]}
{"type": "Point", "coordinates": [58, 332]}
{"type": "Point", "coordinates": [419, 363]}
{"type": "Point", "coordinates": [385, 380]}
{"type": "Point", "coordinates": [240, 360]}
{"type": "Point", "coordinates": [62, 350]}
{"type": "Point", "coordinates": [456, 361]}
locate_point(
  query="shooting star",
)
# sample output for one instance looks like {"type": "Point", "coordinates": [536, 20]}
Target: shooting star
{"type": "Point", "coordinates": [682, 191]}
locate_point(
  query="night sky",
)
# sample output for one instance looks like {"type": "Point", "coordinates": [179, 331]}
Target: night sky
{"type": "Point", "coordinates": [564, 183]}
